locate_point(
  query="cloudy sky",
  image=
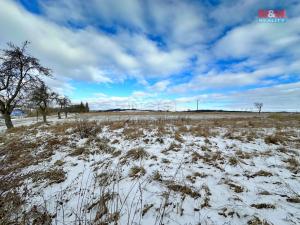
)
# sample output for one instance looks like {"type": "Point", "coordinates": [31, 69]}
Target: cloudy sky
{"type": "Point", "coordinates": [162, 54]}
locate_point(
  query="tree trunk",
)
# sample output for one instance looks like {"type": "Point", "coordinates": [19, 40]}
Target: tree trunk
{"type": "Point", "coordinates": [44, 118]}
{"type": "Point", "coordinates": [66, 114]}
{"type": "Point", "coordinates": [8, 122]}
{"type": "Point", "coordinates": [59, 117]}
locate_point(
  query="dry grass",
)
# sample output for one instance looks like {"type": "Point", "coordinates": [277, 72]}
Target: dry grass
{"type": "Point", "coordinates": [228, 213]}
{"type": "Point", "coordinates": [174, 147]}
{"type": "Point", "coordinates": [19, 129]}
{"type": "Point", "coordinates": [59, 163]}
{"type": "Point", "coordinates": [293, 199]}
{"type": "Point", "coordinates": [263, 206]}
{"type": "Point", "coordinates": [292, 164]}
{"type": "Point", "coordinates": [165, 161]}
{"type": "Point", "coordinates": [137, 171]}
{"type": "Point", "coordinates": [285, 117]}
{"type": "Point", "coordinates": [86, 129]}
{"type": "Point", "coordinates": [233, 161]}
{"type": "Point", "coordinates": [17, 154]}
{"type": "Point", "coordinates": [53, 176]}
{"type": "Point", "coordinates": [261, 173]}
{"type": "Point", "coordinates": [136, 154]}
{"type": "Point", "coordinates": [182, 129]}
{"type": "Point", "coordinates": [207, 193]}
{"type": "Point", "coordinates": [79, 151]}
{"type": "Point", "coordinates": [274, 139]}
{"type": "Point", "coordinates": [184, 190]}
{"type": "Point", "coordinates": [157, 176]}
{"type": "Point", "coordinates": [243, 155]}
{"type": "Point", "coordinates": [54, 143]}
{"type": "Point", "coordinates": [132, 133]}
{"type": "Point", "coordinates": [194, 176]}
{"type": "Point", "coordinates": [13, 212]}
{"type": "Point", "coordinates": [196, 156]}
{"type": "Point", "coordinates": [102, 146]}
{"type": "Point", "coordinates": [146, 208]}
{"type": "Point", "coordinates": [178, 137]}
{"type": "Point", "coordinates": [104, 213]}
{"type": "Point", "coordinates": [116, 125]}
{"type": "Point", "coordinates": [231, 134]}
{"type": "Point", "coordinates": [257, 221]}
{"type": "Point", "coordinates": [202, 131]}
{"type": "Point", "coordinates": [10, 206]}
{"type": "Point", "coordinates": [233, 186]}
{"type": "Point", "coordinates": [116, 153]}
{"type": "Point", "coordinates": [250, 135]}
{"type": "Point", "coordinates": [61, 128]}
{"type": "Point", "coordinates": [211, 158]}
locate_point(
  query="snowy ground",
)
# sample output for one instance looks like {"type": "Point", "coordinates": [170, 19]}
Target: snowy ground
{"type": "Point", "coordinates": [166, 171]}
{"type": "Point", "coordinates": [117, 116]}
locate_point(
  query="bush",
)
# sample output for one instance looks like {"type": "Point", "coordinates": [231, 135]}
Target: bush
{"type": "Point", "coordinates": [87, 129]}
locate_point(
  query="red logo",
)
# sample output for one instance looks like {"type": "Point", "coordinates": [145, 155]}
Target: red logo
{"type": "Point", "coordinates": [262, 13]}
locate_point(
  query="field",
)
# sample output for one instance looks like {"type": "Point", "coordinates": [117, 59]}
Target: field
{"type": "Point", "coordinates": [152, 168]}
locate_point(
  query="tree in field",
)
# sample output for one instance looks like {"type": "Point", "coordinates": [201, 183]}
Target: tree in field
{"type": "Point", "coordinates": [87, 108]}
{"type": "Point", "coordinates": [63, 103]}
{"type": "Point", "coordinates": [259, 106]}
{"type": "Point", "coordinates": [42, 96]}
{"type": "Point", "coordinates": [18, 73]}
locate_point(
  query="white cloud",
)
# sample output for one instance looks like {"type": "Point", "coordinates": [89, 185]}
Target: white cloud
{"type": "Point", "coordinates": [160, 86]}
{"type": "Point", "coordinates": [141, 94]}
{"type": "Point", "coordinates": [156, 40]}
{"type": "Point", "coordinates": [260, 38]}
{"type": "Point", "coordinates": [88, 54]}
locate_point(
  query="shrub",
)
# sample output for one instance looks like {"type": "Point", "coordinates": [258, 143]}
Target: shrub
{"type": "Point", "coordinates": [87, 129]}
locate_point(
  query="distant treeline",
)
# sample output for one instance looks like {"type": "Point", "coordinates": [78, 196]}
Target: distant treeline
{"type": "Point", "coordinates": [79, 108]}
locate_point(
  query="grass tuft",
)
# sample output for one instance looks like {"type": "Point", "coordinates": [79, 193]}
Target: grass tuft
{"type": "Point", "coordinates": [136, 154]}
{"type": "Point", "coordinates": [137, 171]}
{"type": "Point", "coordinates": [183, 189]}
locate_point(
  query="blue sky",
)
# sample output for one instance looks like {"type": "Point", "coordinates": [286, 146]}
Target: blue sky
{"type": "Point", "coordinates": [155, 54]}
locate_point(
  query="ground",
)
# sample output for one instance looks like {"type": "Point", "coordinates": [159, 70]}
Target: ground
{"type": "Point", "coordinates": [153, 169]}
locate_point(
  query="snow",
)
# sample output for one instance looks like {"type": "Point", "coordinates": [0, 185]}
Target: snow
{"type": "Point", "coordinates": [70, 200]}
{"type": "Point", "coordinates": [121, 116]}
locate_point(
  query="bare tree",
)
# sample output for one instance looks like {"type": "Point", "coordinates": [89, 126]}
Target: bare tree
{"type": "Point", "coordinates": [42, 96]}
{"type": "Point", "coordinates": [63, 103]}
{"type": "Point", "coordinates": [18, 72]}
{"type": "Point", "coordinates": [259, 106]}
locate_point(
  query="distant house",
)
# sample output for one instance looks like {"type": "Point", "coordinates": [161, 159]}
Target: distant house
{"type": "Point", "coordinates": [18, 113]}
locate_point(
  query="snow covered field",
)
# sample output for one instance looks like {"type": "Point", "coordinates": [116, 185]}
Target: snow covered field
{"type": "Point", "coordinates": [117, 116]}
{"type": "Point", "coordinates": [188, 170]}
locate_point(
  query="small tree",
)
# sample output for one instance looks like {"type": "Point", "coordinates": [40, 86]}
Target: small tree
{"type": "Point", "coordinates": [87, 108]}
{"type": "Point", "coordinates": [259, 106]}
{"type": "Point", "coordinates": [63, 103]}
{"type": "Point", "coordinates": [42, 96]}
{"type": "Point", "coordinates": [18, 72]}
